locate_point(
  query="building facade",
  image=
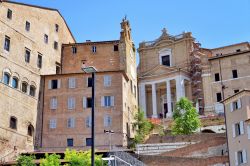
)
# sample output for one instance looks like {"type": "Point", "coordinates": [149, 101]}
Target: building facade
{"type": "Point", "coordinates": [238, 127]}
{"type": "Point", "coordinates": [31, 39]}
{"type": "Point", "coordinates": [66, 98]}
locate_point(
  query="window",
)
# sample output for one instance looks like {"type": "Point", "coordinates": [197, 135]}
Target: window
{"type": "Point", "coordinates": [52, 123]}
{"type": "Point", "coordinates": [235, 105]}
{"type": "Point", "coordinates": [89, 102]}
{"type": "Point", "coordinates": [71, 103]}
{"type": "Point", "coordinates": [32, 90]}
{"type": "Point", "coordinates": [27, 26]}
{"type": "Point", "coordinates": [116, 48]}
{"type": "Point", "coordinates": [53, 103]}
{"type": "Point", "coordinates": [240, 157]}
{"type": "Point", "coordinates": [107, 101]}
{"type": "Point", "coordinates": [58, 69]}
{"type": "Point", "coordinates": [15, 82]}
{"type": "Point", "coordinates": [135, 90]}
{"type": "Point", "coordinates": [39, 61]}
{"type": "Point", "coordinates": [165, 60]}
{"type": "Point", "coordinates": [30, 130]}
{"type": "Point", "coordinates": [7, 43]}
{"type": "Point", "coordinates": [218, 97]}
{"type": "Point", "coordinates": [55, 45]}
{"type": "Point", "coordinates": [13, 122]}
{"type": "Point", "coordinates": [94, 49]}
{"type": "Point", "coordinates": [27, 55]}
{"type": "Point", "coordinates": [71, 123]}
{"type": "Point", "coordinates": [6, 78]}
{"type": "Point", "coordinates": [238, 129]}
{"type": "Point", "coordinates": [9, 14]}
{"type": "Point", "coordinates": [235, 74]}
{"type": "Point", "coordinates": [72, 82]}
{"type": "Point", "coordinates": [89, 82]}
{"type": "Point", "coordinates": [54, 84]}
{"type": "Point", "coordinates": [56, 27]}
{"type": "Point", "coordinates": [238, 50]}
{"type": "Point", "coordinates": [107, 121]}
{"type": "Point", "coordinates": [236, 90]}
{"type": "Point", "coordinates": [248, 131]}
{"type": "Point", "coordinates": [88, 121]}
{"type": "Point", "coordinates": [74, 50]}
{"type": "Point", "coordinates": [24, 87]}
{"type": "Point", "coordinates": [107, 80]}
{"type": "Point", "coordinates": [46, 38]}
{"type": "Point", "coordinates": [70, 142]}
{"type": "Point", "coordinates": [88, 141]}
{"type": "Point", "coordinates": [217, 77]}
{"type": "Point", "coordinates": [131, 86]}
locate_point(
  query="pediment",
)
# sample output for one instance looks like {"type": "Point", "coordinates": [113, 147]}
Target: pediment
{"type": "Point", "coordinates": [159, 70]}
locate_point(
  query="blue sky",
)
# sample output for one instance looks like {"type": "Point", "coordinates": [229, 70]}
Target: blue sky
{"type": "Point", "coordinates": [213, 23]}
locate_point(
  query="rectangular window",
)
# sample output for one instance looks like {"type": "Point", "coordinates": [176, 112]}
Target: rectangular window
{"type": "Point", "coordinates": [89, 82]}
{"type": "Point", "coordinates": [107, 80]}
{"type": "Point", "coordinates": [235, 105]}
{"type": "Point", "coordinates": [218, 97]}
{"type": "Point", "coordinates": [39, 61]}
{"type": "Point", "coordinates": [71, 103]}
{"type": "Point", "coordinates": [88, 141]}
{"type": "Point", "coordinates": [217, 77]}
{"type": "Point", "coordinates": [72, 82]}
{"type": "Point", "coordinates": [27, 55]}
{"type": "Point", "coordinates": [235, 73]}
{"type": "Point", "coordinates": [70, 142]}
{"type": "Point", "coordinates": [89, 102]}
{"type": "Point", "coordinates": [238, 50]}
{"type": "Point", "coordinates": [56, 27]}
{"type": "Point", "coordinates": [52, 123]}
{"type": "Point", "coordinates": [74, 50]}
{"type": "Point", "coordinates": [107, 101]}
{"type": "Point", "coordinates": [54, 84]}
{"type": "Point", "coordinates": [88, 121]}
{"type": "Point", "coordinates": [58, 69]}
{"type": "Point", "coordinates": [7, 43]}
{"type": "Point", "coordinates": [165, 60]}
{"type": "Point", "coordinates": [9, 14]}
{"type": "Point", "coordinates": [107, 121]}
{"type": "Point", "coordinates": [46, 38]}
{"type": "Point", "coordinates": [55, 45]}
{"type": "Point", "coordinates": [241, 157]}
{"type": "Point", "coordinates": [238, 129]}
{"type": "Point", "coordinates": [53, 103]}
{"type": "Point", "coordinates": [94, 49]}
{"type": "Point", "coordinates": [236, 90]}
{"type": "Point", "coordinates": [71, 123]}
{"type": "Point", "coordinates": [27, 26]}
{"type": "Point", "coordinates": [135, 91]}
{"type": "Point", "coordinates": [116, 48]}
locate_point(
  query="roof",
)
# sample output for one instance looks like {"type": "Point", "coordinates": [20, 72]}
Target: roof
{"type": "Point", "coordinates": [229, 54]}
{"type": "Point", "coordinates": [41, 7]}
{"type": "Point", "coordinates": [230, 45]}
{"type": "Point", "coordinates": [236, 94]}
{"type": "Point", "coordinates": [91, 43]}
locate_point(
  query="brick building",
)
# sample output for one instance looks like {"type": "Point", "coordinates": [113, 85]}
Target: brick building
{"type": "Point", "coordinates": [65, 108]}
{"type": "Point", "coordinates": [31, 39]}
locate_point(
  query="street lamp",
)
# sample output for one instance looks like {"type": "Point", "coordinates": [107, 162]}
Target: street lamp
{"type": "Point", "coordinates": [109, 132]}
{"type": "Point", "coordinates": [92, 70]}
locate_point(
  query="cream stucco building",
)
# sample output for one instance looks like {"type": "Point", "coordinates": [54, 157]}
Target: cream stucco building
{"type": "Point", "coordinates": [31, 39]}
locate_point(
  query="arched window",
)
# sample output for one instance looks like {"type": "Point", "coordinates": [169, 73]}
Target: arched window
{"type": "Point", "coordinates": [30, 130]}
{"type": "Point", "coordinates": [15, 82]}
{"type": "Point", "coordinates": [24, 87]}
{"type": "Point", "coordinates": [13, 122]}
{"type": "Point", "coordinates": [32, 90]}
{"type": "Point", "coordinates": [6, 78]}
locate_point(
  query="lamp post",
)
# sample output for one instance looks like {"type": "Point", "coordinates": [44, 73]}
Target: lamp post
{"type": "Point", "coordinates": [92, 70]}
{"type": "Point", "coordinates": [109, 132]}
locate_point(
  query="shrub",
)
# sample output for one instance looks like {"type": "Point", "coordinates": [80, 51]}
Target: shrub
{"type": "Point", "coordinates": [50, 160]}
{"type": "Point", "coordinates": [25, 160]}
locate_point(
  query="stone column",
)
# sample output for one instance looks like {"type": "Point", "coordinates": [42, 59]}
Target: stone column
{"type": "Point", "coordinates": [142, 98]}
{"type": "Point", "coordinates": [154, 103]}
{"type": "Point", "coordinates": [180, 87]}
{"type": "Point", "coordinates": [169, 99]}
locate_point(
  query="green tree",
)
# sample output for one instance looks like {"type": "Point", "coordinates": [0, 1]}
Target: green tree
{"type": "Point", "coordinates": [75, 158]}
{"type": "Point", "coordinates": [186, 118]}
{"type": "Point", "coordinates": [51, 160]}
{"type": "Point", "coordinates": [143, 127]}
{"type": "Point", "coordinates": [23, 160]}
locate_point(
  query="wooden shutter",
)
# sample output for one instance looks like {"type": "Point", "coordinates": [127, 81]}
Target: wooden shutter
{"type": "Point", "coordinates": [248, 130]}
{"type": "Point", "coordinates": [233, 128]}
{"type": "Point", "coordinates": [73, 103]}
{"type": "Point", "coordinates": [241, 127]}
{"type": "Point", "coordinates": [236, 158]}
{"type": "Point", "coordinates": [69, 103]}
{"type": "Point", "coordinates": [239, 103]}
{"type": "Point", "coordinates": [231, 107]}
{"type": "Point", "coordinates": [105, 121]}
{"type": "Point", "coordinates": [244, 155]}
{"type": "Point", "coordinates": [49, 84]}
{"type": "Point", "coordinates": [58, 83]}
{"type": "Point", "coordinates": [112, 101]}
{"type": "Point", "coordinates": [102, 101]}
{"type": "Point", "coordinates": [84, 102]}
